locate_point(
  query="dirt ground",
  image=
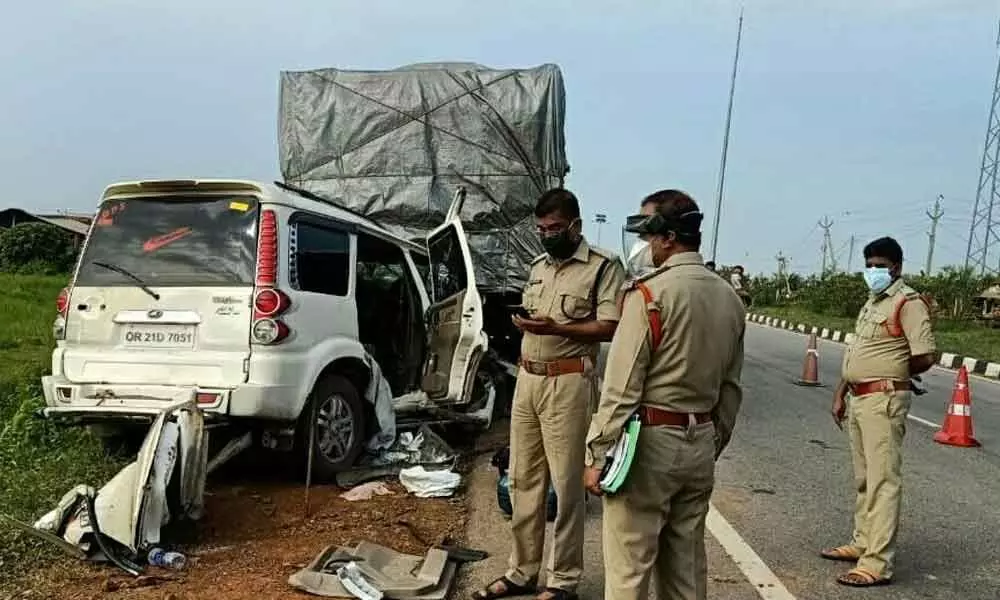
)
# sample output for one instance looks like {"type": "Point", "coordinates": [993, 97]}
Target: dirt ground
{"type": "Point", "coordinates": [255, 535]}
{"type": "Point", "coordinates": [252, 539]}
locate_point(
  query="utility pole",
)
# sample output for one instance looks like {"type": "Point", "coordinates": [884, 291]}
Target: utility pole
{"type": "Point", "coordinates": [850, 255]}
{"type": "Point", "coordinates": [725, 141]}
{"type": "Point", "coordinates": [935, 217]}
{"type": "Point", "coordinates": [827, 250]}
{"type": "Point", "coordinates": [600, 219]}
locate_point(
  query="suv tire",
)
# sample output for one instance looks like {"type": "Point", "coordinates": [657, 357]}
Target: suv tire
{"type": "Point", "coordinates": [340, 426]}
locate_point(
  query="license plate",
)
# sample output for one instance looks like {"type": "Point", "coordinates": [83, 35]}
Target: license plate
{"type": "Point", "coordinates": [161, 336]}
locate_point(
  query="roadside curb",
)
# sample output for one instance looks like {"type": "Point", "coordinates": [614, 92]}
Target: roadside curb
{"type": "Point", "coordinates": [948, 360]}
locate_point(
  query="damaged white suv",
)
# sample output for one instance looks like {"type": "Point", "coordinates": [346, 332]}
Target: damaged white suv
{"type": "Point", "coordinates": [272, 307]}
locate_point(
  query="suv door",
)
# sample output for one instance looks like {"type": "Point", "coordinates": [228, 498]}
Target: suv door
{"type": "Point", "coordinates": [456, 341]}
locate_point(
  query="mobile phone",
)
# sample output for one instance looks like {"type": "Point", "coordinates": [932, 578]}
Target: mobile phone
{"type": "Point", "coordinates": [521, 312]}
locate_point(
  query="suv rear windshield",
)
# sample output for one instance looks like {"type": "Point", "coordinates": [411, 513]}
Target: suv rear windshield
{"type": "Point", "coordinates": [173, 241]}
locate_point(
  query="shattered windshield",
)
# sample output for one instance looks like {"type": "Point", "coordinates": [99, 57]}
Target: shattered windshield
{"type": "Point", "coordinates": [173, 241]}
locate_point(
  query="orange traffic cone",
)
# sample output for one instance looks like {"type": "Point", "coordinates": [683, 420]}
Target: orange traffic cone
{"type": "Point", "coordinates": [957, 427]}
{"type": "Point", "coordinates": [810, 368]}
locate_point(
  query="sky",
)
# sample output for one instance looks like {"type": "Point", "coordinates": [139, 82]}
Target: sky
{"type": "Point", "coordinates": [863, 112]}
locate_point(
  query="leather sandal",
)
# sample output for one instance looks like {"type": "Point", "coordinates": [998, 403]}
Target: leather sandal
{"type": "Point", "coordinates": [859, 577]}
{"type": "Point", "coordinates": [842, 553]}
{"type": "Point", "coordinates": [509, 589]}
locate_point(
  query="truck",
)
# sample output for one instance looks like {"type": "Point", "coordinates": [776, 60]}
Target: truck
{"type": "Point", "coordinates": [393, 145]}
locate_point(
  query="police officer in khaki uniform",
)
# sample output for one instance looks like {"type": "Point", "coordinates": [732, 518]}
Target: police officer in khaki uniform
{"type": "Point", "coordinates": [892, 343]}
{"type": "Point", "coordinates": [675, 359]}
{"type": "Point", "coordinates": [571, 300]}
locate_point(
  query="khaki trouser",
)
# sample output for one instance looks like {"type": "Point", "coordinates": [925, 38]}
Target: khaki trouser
{"type": "Point", "coordinates": [877, 423]}
{"type": "Point", "coordinates": [548, 435]}
{"type": "Point", "coordinates": [656, 521]}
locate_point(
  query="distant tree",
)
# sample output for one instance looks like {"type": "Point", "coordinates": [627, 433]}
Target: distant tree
{"type": "Point", "coordinates": [36, 248]}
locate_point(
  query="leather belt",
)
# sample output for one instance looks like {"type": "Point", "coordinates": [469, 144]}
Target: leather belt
{"type": "Point", "coordinates": [653, 417]}
{"type": "Point", "coordinates": [554, 368]}
{"type": "Point", "coordinates": [882, 385]}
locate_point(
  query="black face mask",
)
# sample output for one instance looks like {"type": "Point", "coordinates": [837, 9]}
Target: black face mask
{"type": "Point", "coordinates": [561, 245]}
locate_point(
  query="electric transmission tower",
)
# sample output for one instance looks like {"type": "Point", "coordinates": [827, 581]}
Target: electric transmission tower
{"type": "Point", "coordinates": [782, 278]}
{"type": "Point", "coordinates": [985, 218]}
{"type": "Point", "coordinates": [827, 249]}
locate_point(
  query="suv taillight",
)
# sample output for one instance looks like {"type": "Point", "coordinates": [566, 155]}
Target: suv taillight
{"type": "Point", "coordinates": [62, 302]}
{"type": "Point", "coordinates": [267, 249]}
{"type": "Point", "coordinates": [62, 307]}
{"type": "Point", "coordinates": [268, 302]}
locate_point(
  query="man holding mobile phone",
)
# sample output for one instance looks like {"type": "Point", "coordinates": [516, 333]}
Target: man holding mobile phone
{"type": "Point", "coordinates": [571, 301]}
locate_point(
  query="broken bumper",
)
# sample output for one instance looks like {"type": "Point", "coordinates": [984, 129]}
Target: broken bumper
{"type": "Point", "coordinates": [137, 403]}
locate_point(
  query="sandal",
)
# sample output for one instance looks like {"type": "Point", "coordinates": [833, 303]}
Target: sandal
{"type": "Point", "coordinates": [859, 577]}
{"type": "Point", "coordinates": [556, 594]}
{"type": "Point", "coordinates": [842, 553]}
{"type": "Point", "coordinates": [509, 589]}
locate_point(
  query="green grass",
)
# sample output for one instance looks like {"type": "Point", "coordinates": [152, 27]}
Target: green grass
{"type": "Point", "coordinates": [39, 462]}
{"type": "Point", "coordinates": [960, 337]}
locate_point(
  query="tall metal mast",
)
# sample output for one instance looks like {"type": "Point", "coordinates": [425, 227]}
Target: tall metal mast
{"type": "Point", "coordinates": [725, 141]}
{"type": "Point", "coordinates": [983, 229]}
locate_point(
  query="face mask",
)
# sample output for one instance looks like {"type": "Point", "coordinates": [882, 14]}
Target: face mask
{"type": "Point", "coordinates": [561, 245]}
{"type": "Point", "coordinates": [877, 278]}
{"type": "Point", "coordinates": [640, 259]}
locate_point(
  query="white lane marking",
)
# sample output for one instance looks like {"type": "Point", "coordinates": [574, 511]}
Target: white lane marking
{"type": "Point", "coordinates": [753, 568]}
{"type": "Point", "coordinates": [930, 424]}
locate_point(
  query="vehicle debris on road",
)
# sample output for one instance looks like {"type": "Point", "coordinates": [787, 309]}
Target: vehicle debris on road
{"type": "Point", "coordinates": [366, 490]}
{"type": "Point", "coordinates": [372, 572]}
{"type": "Point", "coordinates": [122, 521]}
{"type": "Point", "coordinates": [429, 484]}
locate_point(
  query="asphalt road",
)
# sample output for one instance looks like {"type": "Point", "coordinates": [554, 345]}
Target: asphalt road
{"type": "Point", "coordinates": [784, 486]}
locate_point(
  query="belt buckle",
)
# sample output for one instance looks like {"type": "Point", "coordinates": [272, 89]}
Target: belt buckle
{"type": "Point", "coordinates": [692, 422]}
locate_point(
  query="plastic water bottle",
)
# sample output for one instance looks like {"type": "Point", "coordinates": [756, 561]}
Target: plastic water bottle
{"type": "Point", "coordinates": [158, 557]}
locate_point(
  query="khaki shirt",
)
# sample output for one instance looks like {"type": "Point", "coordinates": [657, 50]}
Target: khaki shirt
{"type": "Point", "coordinates": [696, 368]}
{"type": "Point", "coordinates": [562, 292]}
{"type": "Point", "coordinates": [874, 354]}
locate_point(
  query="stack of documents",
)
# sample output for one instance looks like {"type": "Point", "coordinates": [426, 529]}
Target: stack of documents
{"type": "Point", "coordinates": [619, 457]}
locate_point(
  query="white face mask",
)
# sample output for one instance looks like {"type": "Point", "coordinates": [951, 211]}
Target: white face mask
{"type": "Point", "coordinates": [640, 259]}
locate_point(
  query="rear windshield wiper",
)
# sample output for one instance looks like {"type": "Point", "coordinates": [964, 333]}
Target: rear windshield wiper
{"type": "Point", "coordinates": [139, 282]}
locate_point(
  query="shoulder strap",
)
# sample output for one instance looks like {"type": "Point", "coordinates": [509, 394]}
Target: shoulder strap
{"type": "Point", "coordinates": [652, 310]}
{"type": "Point", "coordinates": [597, 282]}
{"type": "Point", "coordinates": [895, 324]}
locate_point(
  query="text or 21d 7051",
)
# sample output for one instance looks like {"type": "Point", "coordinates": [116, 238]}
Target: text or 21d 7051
{"type": "Point", "coordinates": [158, 337]}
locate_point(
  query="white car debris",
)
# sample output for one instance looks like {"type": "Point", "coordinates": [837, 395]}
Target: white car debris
{"type": "Point", "coordinates": [131, 508]}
